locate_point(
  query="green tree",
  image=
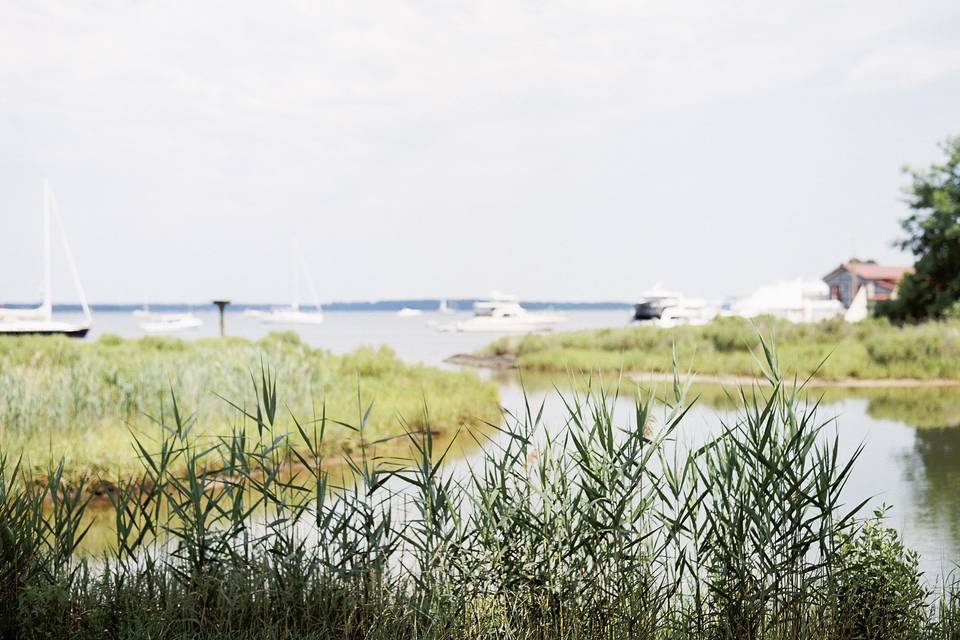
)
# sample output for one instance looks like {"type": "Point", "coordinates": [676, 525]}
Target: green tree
{"type": "Point", "coordinates": [932, 234]}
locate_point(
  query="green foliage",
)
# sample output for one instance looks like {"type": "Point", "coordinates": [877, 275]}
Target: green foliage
{"type": "Point", "coordinates": [872, 349]}
{"type": "Point", "coordinates": [603, 527]}
{"type": "Point", "coordinates": [932, 234]}
{"type": "Point", "coordinates": [879, 588]}
{"type": "Point", "coordinates": [79, 401]}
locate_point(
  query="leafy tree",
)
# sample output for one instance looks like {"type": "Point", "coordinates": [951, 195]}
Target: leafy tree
{"type": "Point", "coordinates": [933, 236]}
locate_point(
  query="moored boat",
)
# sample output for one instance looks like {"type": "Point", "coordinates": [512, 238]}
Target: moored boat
{"type": "Point", "coordinates": [503, 313]}
{"type": "Point", "coordinates": [171, 323]}
{"type": "Point", "coordinates": [39, 320]}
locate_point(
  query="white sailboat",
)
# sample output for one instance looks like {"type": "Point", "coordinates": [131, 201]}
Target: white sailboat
{"type": "Point", "coordinates": [444, 309]}
{"type": "Point", "coordinates": [159, 322]}
{"type": "Point", "coordinates": [39, 320]}
{"type": "Point", "coordinates": [171, 323]}
{"type": "Point", "coordinates": [294, 314]}
{"type": "Point", "coordinates": [858, 310]}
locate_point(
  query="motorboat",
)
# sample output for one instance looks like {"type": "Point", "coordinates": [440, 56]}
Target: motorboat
{"type": "Point", "coordinates": [654, 301]}
{"type": "Point", "coordinates": [793, 300]}
{"type": "Point", "coordinates": [171, 323]}
{"type": "Point", "coordinates": [39, 320]}
{"type": "Point", "coordinates": [503, 313]}
{"type": "Point", "coordinates": [294, 314]}
{"type": "Point", "coordinates": [666, 308]}
{"type": "Point", "coordinates": [407, 312]}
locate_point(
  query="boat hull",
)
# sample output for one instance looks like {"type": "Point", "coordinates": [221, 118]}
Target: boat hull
{"type": "Point", "coordinates": [293, 318]}
{"type": "Point", "coordinates": [172, 325]}
{"type": "Point", "coordinates": [647, 311]}
{"type": "Point", "coordinates": [78, 332]}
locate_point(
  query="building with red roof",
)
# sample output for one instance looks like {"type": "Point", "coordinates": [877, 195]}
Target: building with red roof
{"type": "Point", "coordinates": [880, 280]}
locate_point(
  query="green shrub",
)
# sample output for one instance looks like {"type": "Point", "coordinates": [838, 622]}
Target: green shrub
{"type": "Point", "coordinates": [879, 589]}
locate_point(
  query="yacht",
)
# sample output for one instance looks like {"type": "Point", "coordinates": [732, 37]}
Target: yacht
{"type": "Point", "coordinates": [654, 301]}
{"type": "Point", "coordinates": [171, 323]}
{"type": "Point", "coordinates": [794, 300]}
{"type": "Point", "coordinates": [504, 313]}
{"type": "Point", "coordinates": [667, 308]}
{"type": "Point", "coordinates": [294, 314]}
{"type": "Point", "coordinates": [39, 320]}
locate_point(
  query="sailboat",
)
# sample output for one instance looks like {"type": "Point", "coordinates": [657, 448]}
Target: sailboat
{"type": "Point", "coordinates": [156, 322]}
{"type": "Point", "coordinates": [39, 320]}
{"type": "Point", "coordinates": [294, 314]}
{"type": "Point", "coordinates": [171, 322]}
{"type": "Point", "coordinates": [444, 309]}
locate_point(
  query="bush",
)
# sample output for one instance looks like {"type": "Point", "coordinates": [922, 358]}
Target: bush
{"type": "Point", "coordinates": [880, 593]}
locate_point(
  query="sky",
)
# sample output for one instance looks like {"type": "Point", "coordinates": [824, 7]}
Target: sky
{"type": "Point", "coordinates": [556, 150]}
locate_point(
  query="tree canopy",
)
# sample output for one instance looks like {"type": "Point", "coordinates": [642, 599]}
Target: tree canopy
{"type": "Point", "coordinates": [932, 234]}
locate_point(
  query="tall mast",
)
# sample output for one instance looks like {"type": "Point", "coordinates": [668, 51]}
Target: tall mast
{"type": "Point", "coordinates": [73, 266]}
{"type": "Point", "coordinates": [306, 272]}
{"type": "Point", "coordinates": [46, 305]}
{"type": "Point", "coordinates": [296, 282]}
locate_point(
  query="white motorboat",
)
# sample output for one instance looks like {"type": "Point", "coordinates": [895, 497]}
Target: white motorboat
{"type": "Point", "coordinates": [294, 314]}
{"type": "Point", "coordinates": [666, 308]}
{"type": "Point", "coordinates": [407, 312]}
{"type": "Point", "coordinates": [39, 320]}
{"type": "Point", "coordinates": [504, 314]}
{"type": "Point", "coordinates": [171, 323]}
{"type": "Point", "coordinates": [795, 300]}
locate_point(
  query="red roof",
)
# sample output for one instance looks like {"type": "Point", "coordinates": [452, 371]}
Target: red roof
{"type": "Point", "coordinates": [870, 271]}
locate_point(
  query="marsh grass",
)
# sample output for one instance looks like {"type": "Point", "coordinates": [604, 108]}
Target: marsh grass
{"type": "Point", "coordinates": [873, 349]}
{"type": "Point", "coordinates": [80, 401]}
{"type": "Point", "coordinates": [604, 528]}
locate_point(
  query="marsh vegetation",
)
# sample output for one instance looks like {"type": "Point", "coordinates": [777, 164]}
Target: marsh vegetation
{"type": "Point", "coordinates": [873, 349]}
{"type": "Point", "coordinates": [601, 527]}
{"type": "Point", "coordinates": [80, 402]}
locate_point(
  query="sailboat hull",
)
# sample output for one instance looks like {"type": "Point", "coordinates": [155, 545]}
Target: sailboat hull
{"type": "Point", "coordinates": [69, 331]}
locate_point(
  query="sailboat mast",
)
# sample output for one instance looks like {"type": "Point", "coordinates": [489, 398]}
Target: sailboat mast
{"type": "Point", "coordinates": [306, 273]}
{"type": "Point", "coordinates": [296, 284]}
{"type": "Point", "coordinates": [70, 262]}
{"type": "Point", "coordinates": [46, 304]}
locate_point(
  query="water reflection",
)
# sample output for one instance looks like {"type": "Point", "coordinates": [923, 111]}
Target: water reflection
{"type": "Point", "coordinates": [911, 439]}
{"type": "Point", "coordinates": [932, 469]}
{"type": "Point", "coordinates": [914, 406]}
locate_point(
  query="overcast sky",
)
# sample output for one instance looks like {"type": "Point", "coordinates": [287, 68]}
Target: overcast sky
{"type": "Point", "coordinates": [559, 150]}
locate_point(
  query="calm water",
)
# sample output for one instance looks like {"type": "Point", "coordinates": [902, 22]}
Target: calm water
{"type": "Point", "coordinates": [911, 458]}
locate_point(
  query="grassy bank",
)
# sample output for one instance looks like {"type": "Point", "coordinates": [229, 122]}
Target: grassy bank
{"type": "Point", "coordinates": [872, 349]}
{"type": "Point", "coordinates": [80, 401]}
{"type": "Point", "coordinates": [604, 530]}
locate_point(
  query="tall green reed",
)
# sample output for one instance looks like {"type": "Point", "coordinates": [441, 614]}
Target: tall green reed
{"type": "Point", "coordinates": [605, 526]}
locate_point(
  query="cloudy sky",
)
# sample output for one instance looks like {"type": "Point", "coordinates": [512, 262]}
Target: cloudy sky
{"type": "Point", "coordinates": [563, 150]}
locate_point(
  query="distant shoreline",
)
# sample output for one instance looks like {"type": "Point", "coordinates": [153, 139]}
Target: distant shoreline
{"type": "Point", "coordinates": [423, 304]}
